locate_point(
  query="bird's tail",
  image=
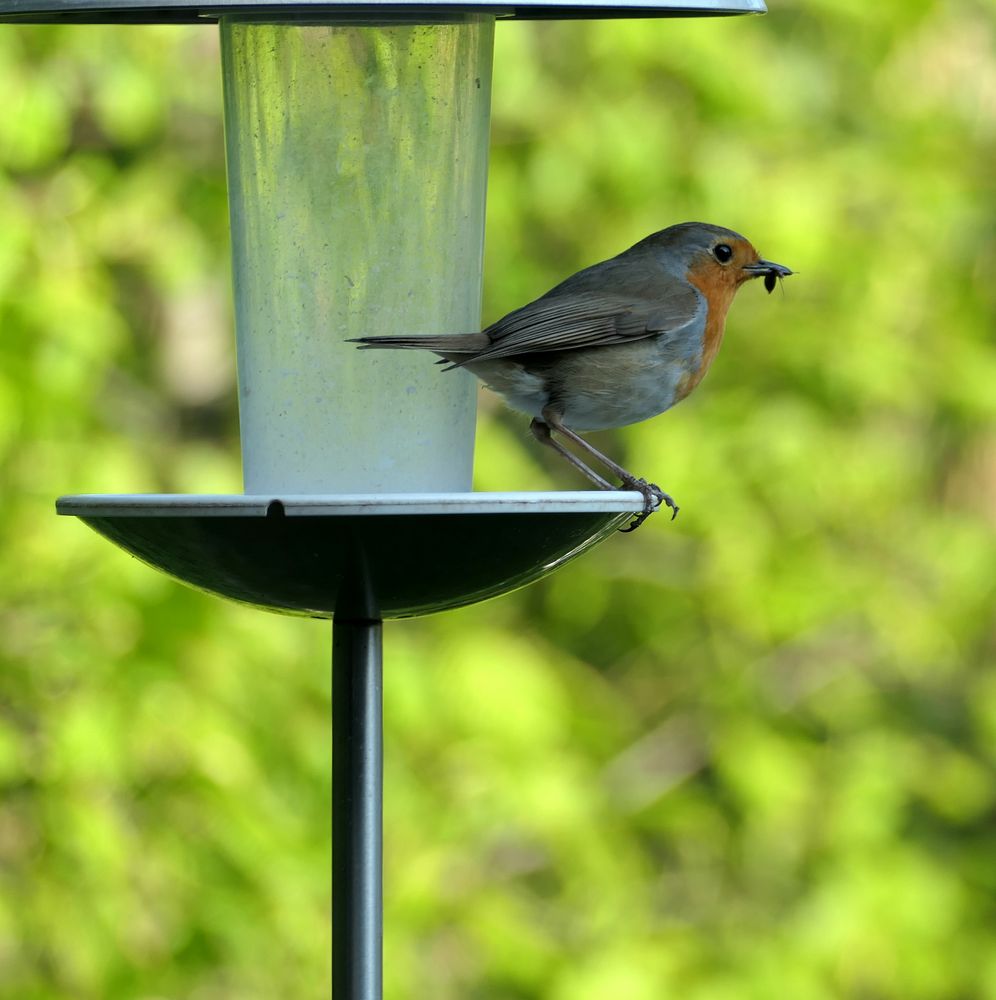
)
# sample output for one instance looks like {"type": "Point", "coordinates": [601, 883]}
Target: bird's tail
{"type": "Point", "coordinates": [456, 344]}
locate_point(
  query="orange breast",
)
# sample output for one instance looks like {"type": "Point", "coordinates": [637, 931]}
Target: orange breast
{"type": "Point", "coordinates": [719, 295]}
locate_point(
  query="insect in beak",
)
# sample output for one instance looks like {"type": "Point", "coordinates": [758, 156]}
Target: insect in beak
{"type": "Point", "coordinates": [771, 271]}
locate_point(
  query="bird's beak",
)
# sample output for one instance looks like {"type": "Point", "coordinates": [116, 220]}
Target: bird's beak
{"type": "Point", "coordinates": [771, 271]}
{"type": "Point", "coordinates": [767, 267]}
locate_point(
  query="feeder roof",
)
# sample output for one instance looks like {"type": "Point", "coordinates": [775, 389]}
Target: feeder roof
{"type": "Point", "coordinates": [180, 11]}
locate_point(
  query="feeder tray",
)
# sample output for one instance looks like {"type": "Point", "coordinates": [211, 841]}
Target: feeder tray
{"type": "Point", "coordinates": [357, 557]}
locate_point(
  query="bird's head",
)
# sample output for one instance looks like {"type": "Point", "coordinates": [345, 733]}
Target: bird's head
{"type": "Point", "coordinates": [716, 260]}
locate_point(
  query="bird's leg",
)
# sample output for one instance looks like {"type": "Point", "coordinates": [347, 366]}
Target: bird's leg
{"type": "Point", "coordinates": [541, 432]}
{"type": "Point", "coordinates": [653, 495]}
{"type": "Point", "coordinates": [561, 428]}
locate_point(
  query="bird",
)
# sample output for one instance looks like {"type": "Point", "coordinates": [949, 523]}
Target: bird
{"type": "Point", "coordinates": [616, 343]}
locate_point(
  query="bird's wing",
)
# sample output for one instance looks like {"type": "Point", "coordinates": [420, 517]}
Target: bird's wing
{"type": "Point", "coordinates": [569, 319]}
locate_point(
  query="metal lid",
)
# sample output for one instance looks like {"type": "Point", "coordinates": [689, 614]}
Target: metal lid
{"type": "Point", "coordinates": [177, 11]}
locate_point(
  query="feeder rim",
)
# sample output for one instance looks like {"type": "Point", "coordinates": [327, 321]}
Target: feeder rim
{"type": "Point", "coordinates": [346, 505]}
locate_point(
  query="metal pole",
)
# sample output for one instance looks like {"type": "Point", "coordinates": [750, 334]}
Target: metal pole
{"type": "Point", "coordinates": [357, 810]}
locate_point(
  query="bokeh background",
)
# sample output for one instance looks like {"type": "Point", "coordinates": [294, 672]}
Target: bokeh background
{"type": "Point", "coordinates": [747, 754]}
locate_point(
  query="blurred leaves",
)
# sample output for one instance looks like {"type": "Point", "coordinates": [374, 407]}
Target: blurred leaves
{"type": "Point", "coordinates": [749, 754]}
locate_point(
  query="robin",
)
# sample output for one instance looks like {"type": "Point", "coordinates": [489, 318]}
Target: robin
{"type": "Point", "coordinates": [614, 344]}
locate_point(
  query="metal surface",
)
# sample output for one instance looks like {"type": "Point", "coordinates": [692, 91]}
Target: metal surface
{"type": "Point", "coordinates": [357, 162]}
{"type": "Point", "coordinates": [358, 557]}
{"type": "Point", "coordinates": [357, 810]}
{"type": "Point", "coordinates": [166, 11]}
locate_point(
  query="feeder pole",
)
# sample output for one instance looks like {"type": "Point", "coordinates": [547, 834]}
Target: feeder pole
{"type": "Point", "coordinates": [357, 810]}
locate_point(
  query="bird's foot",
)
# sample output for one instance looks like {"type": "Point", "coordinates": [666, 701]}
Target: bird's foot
{"type": "Point", "coordinates": [653, 497]}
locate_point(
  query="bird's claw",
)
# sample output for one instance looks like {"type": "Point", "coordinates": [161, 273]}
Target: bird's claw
{"type": "Point", "coordinates": [653, 497]}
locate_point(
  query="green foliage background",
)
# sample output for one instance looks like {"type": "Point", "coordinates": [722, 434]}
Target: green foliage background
{"type": "Point", "coordinates": [749, 754]}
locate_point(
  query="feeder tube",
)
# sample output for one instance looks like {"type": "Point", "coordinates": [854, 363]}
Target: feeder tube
{"type": "Point", "coordinates": [357, 164]}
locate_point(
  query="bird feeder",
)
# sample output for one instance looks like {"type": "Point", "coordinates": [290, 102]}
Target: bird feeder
{"type": "Point", "coordinates": [357, 146]}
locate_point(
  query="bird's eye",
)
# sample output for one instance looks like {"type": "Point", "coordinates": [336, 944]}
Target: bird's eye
{"type": "Point", "coordinates": [723, 252]}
